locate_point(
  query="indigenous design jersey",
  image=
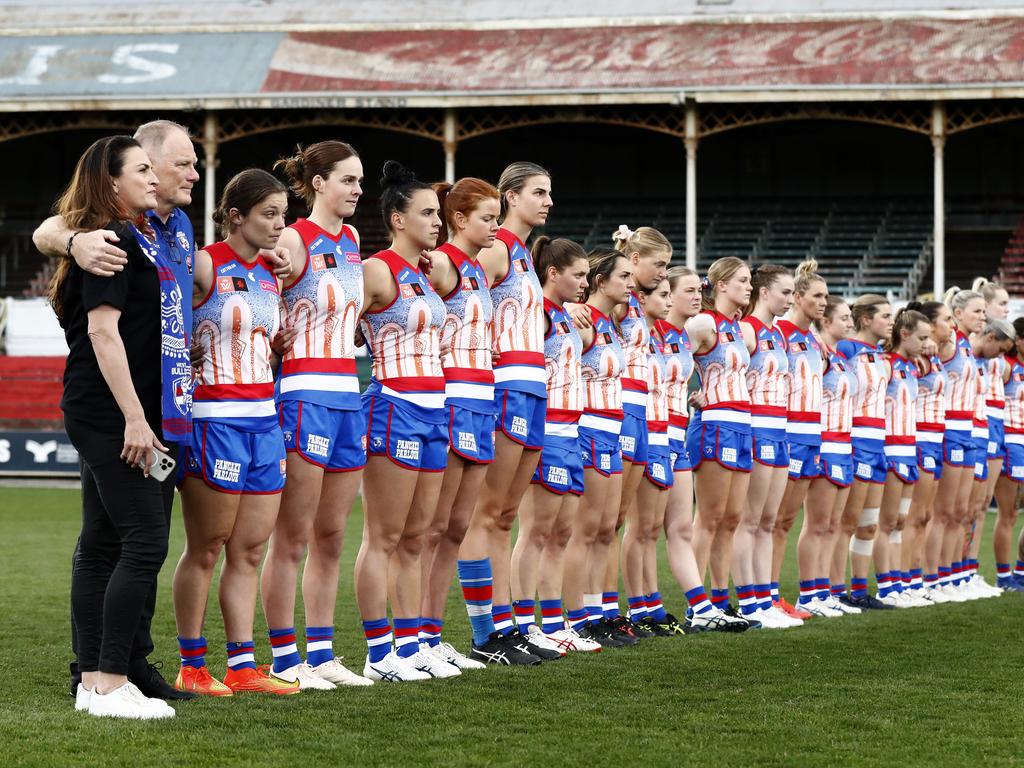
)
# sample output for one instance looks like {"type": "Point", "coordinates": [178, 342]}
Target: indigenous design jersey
{"type": "Point", "coordinates": [900, 408]}
{"type": "Point", "coordinates": [768, 380]}
{"type": "Point", "coordinates": [838, 391]}
{"type": "Point", "coordinates": [675, 343]}
{"type": "Point", "coordinates": [962, 374]}
{"type": "Point", "coordinates": [466, 337]}
{"type": "Point", "coordinates": [1014, 394]}
{"type": "Point", "coordinates": [324, 304]}
{"type": "Point", "coordinates": [234, 325]}
{"type": "Point", "coordinates": [518, 323]}
{"type": "Point", "coordinates": [930, 407]}
{"type": "Point", "coordinates": [805, 389]}
{"type": "Point", "coordinates": [979, 422]}
{"type": "Point", "coordinates": [563, 349]}
{"type": "Point", "coordinates": [657, 392]}
{"type": "Point", "coordinates": [404, 340]}
{"type": "Point", "coordinates": [872, 379]}
{"type": "Point", "coordinates": [723, 375]}
{"type": "Point", "coordinates": [995, 395]}
{"type": "Point", "coordinates": [635, 347]}
{"type": "Point", "coordinates": [603, 363]}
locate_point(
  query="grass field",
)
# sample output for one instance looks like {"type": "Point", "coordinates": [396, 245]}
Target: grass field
{"type": "Point", "coordinates": [938, 687]}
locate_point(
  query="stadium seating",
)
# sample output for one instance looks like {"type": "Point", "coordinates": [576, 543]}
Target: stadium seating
{"type": "Point", "coordinates": [30, 392]}
{"type": "Point", "coordinates": [1011, 269]}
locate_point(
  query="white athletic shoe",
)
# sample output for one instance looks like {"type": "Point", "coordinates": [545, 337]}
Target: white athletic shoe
{"type": "Point", "coordinates": [820, 607]}
{"type": "Point", "coordinates": [447, 652]}
{"type": "Point", "coordinates": [911, 600]}
{"type": "Point", "coordinates": [984, 587]}
{"type": "Point", "coordinates": [538, 638]}
{"type": "Point", "coordinates": [716, 620]}
{"type": "Point", "coordinates": [936, 595]}
{"type": "Point", "coordinates": [130, 703]}
{"type": "Point", "coordinates": [968, 590]}
{"type": "Point", "coordinates": [569, 639]}
{"type": "Point", "coordinates": [920, 596]}
{"type": "Point", "coordinates": [769, 619]}
{"type": "Point", "coordinates": [392, 669]}
{"type": "Point", "coordinates": [304, 675]}
{"type": "Point", "coordinates": [836, 604]}
{"type": "Point", "coordinates": [892, 599]}
{"type": "Point", "coordinates": [953, 594]}
{"type": "Point", "coordinates": [334, 671]}
{"type": "Point", "coordinates": [82, 696]}
{"type": "Point", "coordinates": [777, 613]}
{"type": "Point", "coordinates": [425, 661]}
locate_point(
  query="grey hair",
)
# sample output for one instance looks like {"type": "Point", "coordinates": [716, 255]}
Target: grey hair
{"type": "Point", "coordinates": [153, 134]}
{"type": "Point", "coordinates": [1001, 329]}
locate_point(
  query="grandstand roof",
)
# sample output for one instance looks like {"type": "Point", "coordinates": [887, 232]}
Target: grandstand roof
{"type": "Point", "coordinates": [193, 58]}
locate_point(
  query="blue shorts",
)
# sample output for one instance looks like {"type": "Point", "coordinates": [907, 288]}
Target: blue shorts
{"type": "Point", "coordinates": [904, 467]}
{"type": "Point", "coordinates": [471, 434]}
{"type": "Point", "coordinates": [1013, 463]}
{"type": "Point", "coordinates": [996, 438]}
{"type": "Point", "coordinates": [804, 461]}
{"type": "Point", "coordinates": [981, 457]}
{"type": "Point", "coordinates": [659, 464]}
{"type": "Point", "coordinates": [958, 448]}
{"type": "Point", "coordinates": [232, 461]}
{"type": "Point", "coordinates": [560, 469]}
{"type": "Point", "coordinates": [930, 458]}
{"type": "Point", "coordinates": [521, 417]}
{"type": "Point", "coordinates": [327, 437]}
{"type": "Point", "coordinates": [716, 442]}
{"type": "Point", "coordinates": [680, 456]}
{"type": "Point", "coordinates": [600, 452]}
{"type": "Point", "coordinates": [633, 439]}
{"type": "Point", "coordinates": [409, 441]}
{"type": "Point", "coordinates": [768, 451]}
{"type": "Point", "coordinates": [868, 465]}
{"type": "Point", "coordinates": [837, 468]}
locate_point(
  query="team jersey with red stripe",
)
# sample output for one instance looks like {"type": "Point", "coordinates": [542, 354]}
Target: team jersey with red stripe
{"type": "Point", "coordinates": [979, 422]}
{"type": "Point", "coordinates": [962, 376]}
{"type": "Point", "coordinates": [900, 394]}
{"type": "Point", "coordinates": [234, 325]}
{"type": "Point", "coordinates": [723, 374]}
{"type": "Point", "coordinates": [635, 345]}
{"type": "Point", "coordinates": [838, 390]}
{"type": "Point", "coordinates": [803, 415]}
{"type": "Point", "coordinates": [995, 395]}
{"type": "Point", "coordinates": [518, 322]}
{"type": "Point", "coordinates": [678, 369]}
{"type": "Point", "coordinates": [466, 336]}
{"type": "Point", "coordinates": [563, 350]}
{"type": "Point", "coordinates": [872, 379]}
{"type": "Point", "coordinates": [931, 399]}
{"type": "Point", "coordinates": [768, 377]}
{"type": "Point", "coordinates": [324, 304]}
{"type": "Point", "coordinates": [603, 363]}
{"type": "Point", "coordinates": [404, 339]}
{"type": "Point", "coordinates": [657, 390]}
{"type": "Point", "coordinates": [1014, 394]}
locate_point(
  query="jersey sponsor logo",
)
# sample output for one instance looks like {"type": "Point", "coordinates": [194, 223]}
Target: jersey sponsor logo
{"type": "Point", "coordinates": [352, 257]}
{"type": "Point", "coordinates": [979, 468]}
{"type": "Point", "coordinates": [519, 266]}
{"type": "Point", "coordinates": [363, 442]}
{"type": "Point", "coordinates": [231, 284]}
{"type": "Point", "coordinates": [318, 445]}
{"type": "Point", "coordinates": [227, 471]}
{"type": "Point", "coordinates": [801, 346]}
{"type": "Point", "coordinates": [870, 356]}
{"type": "Point", "coordinates": [992, 446]}
{"type": "Point", "coordinates": [467, 442]}
{"type": "Point", "coordinates": [266, 285]}
{"type": "Point", "coordinates": [411, 290]}
{"type": "Point", "coordinates": [227, 267]}
{"type": "Point", "coordinates": [767, 345]}
{"type": "Point", "coordinates": [561, 328]}
{"type": "Point", "coordinates": [284, 467]}
{"type": "Point", "coordinates": [407, 449]}
{"type": "Point", "coordinates": [604, 339]}
{"type": "Point", "coordinates": [863, 470]}
{"type": "Point", "coordinates": [470, 284]}
{"type": "Point", "coordinates": [558, 476]}
{"type": "Point", "coordinates": [957, 455]}
{"type": "Point", "coordinates": [627, 443]}
{"type": "Point", "coordinates": [673, 348]}
{"type": "Point", "coordinates": [836, 472]}
{"type": "Point", "coordinates": [183, 241]}
{"type": "Point", "coordinates": [1016, 471]}
{"type": "Point", "coordinates": [324, 261]}
{"type": "Point", "coordinates": [729, 455]}
{"type": "Point", "coordinates": [768, 452]}
{"type": "Point", "coordinates": [795, 465]}
{"type": "Point", "coordinates": [606, 462]}
{"type": "Point", "coordinates": [929, 462]}
{"type": "Point", "coordinates": [287, 434]}
{"type": "Point", "coordinates": [518, 426]}
{"type": "Point", "coordinates": [726, 337]}
{"type": "Point", "coordinates": [378, 443]}
{"type": "Point", "coordinates": [658, 471]}
{"type": "Point", "coordinates": [901, 469]}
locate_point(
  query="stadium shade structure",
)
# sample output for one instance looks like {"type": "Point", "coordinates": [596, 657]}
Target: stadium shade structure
{"type": "Point", "coordinates": [934, 75]}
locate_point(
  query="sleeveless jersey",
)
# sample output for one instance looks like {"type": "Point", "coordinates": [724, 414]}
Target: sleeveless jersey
{"type": "Point", "coordinates": [324, 304]}
{"type": "Point", "coordinates": [930, 411]}
{"type": "Point", "coordinates": [563, 349]}
{"type": "Point", "coordinates": [603, 363]}
{"type": "Point", "coordinates": [805, 391]}
{"type": "Point", "coordinates": [900, 409]}
{"type": "Point", "coordinates": [723, 375]}
{"type": "Point", "coordinates": [404, 340]}
{"type": "Point", "coordinates": [838, 390]}
{"type": "Point", "coordinates": [980, 420]}
{"type": "Point", "coordinates": [518, 323]}
{"type": "Point", "coordinates": [234, 325]}
{"type": "Point", "coordinates": [995, 396]}
{"type": "Point", "coordinates": [466, 337]}
{"type": "Point", "coordinates": [657, 392]}
{"type": "Point", "coordinates": [635, 346]}
{"type": "Point", "coordinates": [768, 379]}
{"type": "Point", "coordinates": [1014, 394]}
{"type": "Point", "coordinates": [678, 369]}
{"type": "Point", "coordinates": [962, 376]}
{"type": "Point", "coordinates": [872, 379]}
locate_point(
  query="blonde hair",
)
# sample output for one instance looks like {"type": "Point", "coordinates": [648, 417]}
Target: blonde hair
{"type": "Point", "coordinates": [987, 288]}
{"type": "Point", "coordinates": [865, 308]}
{"type": "Point", "coordinates": [646, 241]}
{"type": "Point", "coordinates": [806, 274]}
{"type": "Point", "coordinates": [957, 298]}
{"type": "Point", "coordinates": [676, 273]}
{"type": "Point", "coordinates": [720, 271]}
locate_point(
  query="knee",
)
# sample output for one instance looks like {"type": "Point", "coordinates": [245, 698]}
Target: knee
{"type": "Point", "coordinates": [505, 520]}
{"type": "Point", "coordinates": [730, 520]}
{"type": "Point", "coordinates": [290, 549]}
{"type": "Point", "coordinates": [330, 543]}
{"type": "Point", "coordinates": [679, 532]}
{"type": "Point", "coordinates": [709, 519]}
{"type": "Point", "coordinates": [867, 531]}
{"type": "Point", "coordinates": [455, 532]}
{"type": "Point", "coordinates": [205, 554]}
{"type": "Point", "coordinates": [560, 536]}
{"type": "Point", "coordinates": [248, 557]}
{"type": "Point", "coordinates": [411, 543]}
{"type": "Point", "coordinates": [605, 535]}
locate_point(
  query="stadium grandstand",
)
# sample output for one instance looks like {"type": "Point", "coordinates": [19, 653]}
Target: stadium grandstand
{"type": "Point", "coordinates": [885, 145]}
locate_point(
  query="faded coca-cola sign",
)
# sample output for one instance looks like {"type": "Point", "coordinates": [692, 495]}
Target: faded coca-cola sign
{"type": "Point", "coordinates": [684, 56]}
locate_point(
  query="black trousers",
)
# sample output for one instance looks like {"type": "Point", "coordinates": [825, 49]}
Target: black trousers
{"type": "Point", "coordinates": [123, 544]}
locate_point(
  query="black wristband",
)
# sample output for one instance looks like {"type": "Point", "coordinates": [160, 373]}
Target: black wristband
{"type": "Point", "coordinates": [70, 241]}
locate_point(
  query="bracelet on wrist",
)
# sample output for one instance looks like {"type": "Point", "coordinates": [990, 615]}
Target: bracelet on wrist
{"type": "Point", "coordinates": [71, 240]}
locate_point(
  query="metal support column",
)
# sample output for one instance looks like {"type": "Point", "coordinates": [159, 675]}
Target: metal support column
{"type": "Point", "coordinates": [451, 143]}
{"type": "Point", "coordinates": [939, 208]}
{"type": "Point", "coordinates": [691, 185]}
{"type": "Point", "coordinates": [210, 177]}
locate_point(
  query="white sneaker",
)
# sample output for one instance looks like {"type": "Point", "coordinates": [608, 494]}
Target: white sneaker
{"type": "Point", "coordinates": [425, 661]}
{"type": "Point", "coordinates": [447, 652]}
{"type": "Point", "coordinates": [936, 595]}
{"type": "Point", "coordinates": [128, 702]}
{"type": "Point", "coordinates": [968, 590]}
{"type": "Point", "coordinates": [836, 604]}
{"type": "Point", "coordinates": [334, 671]}
{"type": "Point", "coordinates": [538, 638]}
{"type": "Point", "coordinates": [778, 613]}
{"type": "Point", "coordinates": [984, 587]}
{"type": "Point", "coordinates": [953, 594]}
{"type": "Point", "coordinates": [392, 669]}
{"type": "Point", "coordinates": [570, 640]}
{"type": "Point", "coordinates": [819, 607]}
{"type": "Point", "coordinates": [892, 599]}
{"type": "Point", "coordinates": [768, 619]}
{"type": "Point", "coordinates": [715, 620]}
{"type": "Point", "coordinates": [919, 597]}
{"type": "Point", "coordinates": [82, 696]}
{"type": "Point", "coordinates": [910, 600]}
{"type": "Point", "coordinates": [303, 675]}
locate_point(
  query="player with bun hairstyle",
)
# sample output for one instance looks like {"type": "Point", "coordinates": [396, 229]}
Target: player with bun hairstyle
{"type": "Point", "coordinates": [911, 333]}
{"type": "Point", "coordinates": [930, 412]}
{"type": "Point", "coordinates": [519, 383]}
{"type": "Point", "coordinates": [872, 322]}
{"type": "Point", "coordinates": [319, 408]}
{"type": "Point", "coordinates": [407, 430]}
{"type": "Point", "coordinates": [1012, 476]}
{"type": "Point", "coordinates": [235, 468]}
{"type": "Point", "coordinates": [768, 383]}
{"type": "Point", "coordinates": [718, 436]}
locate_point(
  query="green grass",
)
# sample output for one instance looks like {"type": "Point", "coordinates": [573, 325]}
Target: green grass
{"type": "Point", "coordinates": [937, 687]}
